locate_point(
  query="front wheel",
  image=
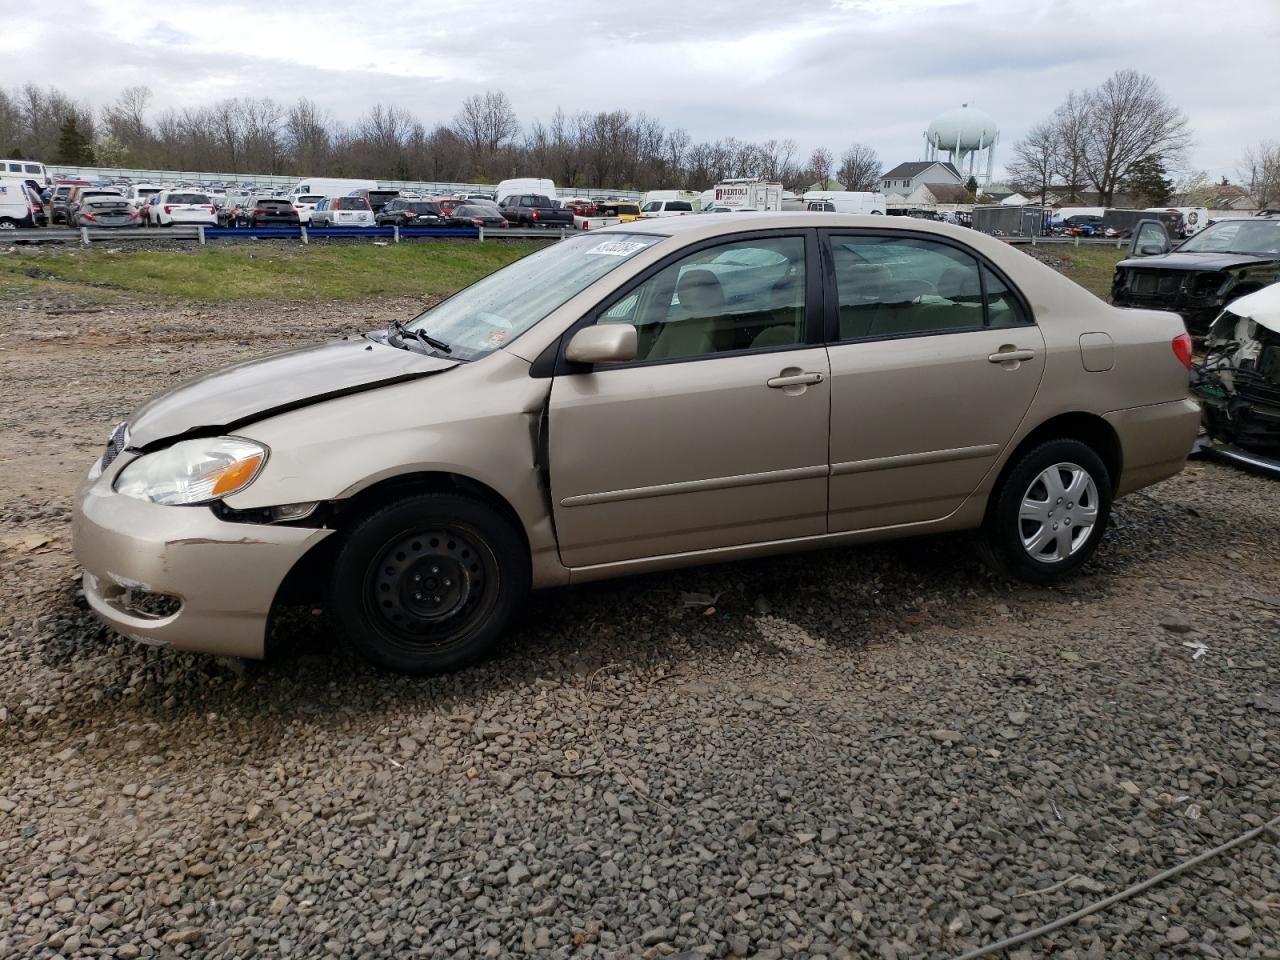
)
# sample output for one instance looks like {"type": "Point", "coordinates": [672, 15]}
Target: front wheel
{"type": "Point", "coordinates": [428, 584]}
{"type": "Point", "coordinates": [1049, 516]}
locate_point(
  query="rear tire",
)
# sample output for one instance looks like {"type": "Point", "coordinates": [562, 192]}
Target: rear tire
{"type": "Point", "coordinates": [428, 583]}
{"type": "Point", "coordinates": [1048, 517]}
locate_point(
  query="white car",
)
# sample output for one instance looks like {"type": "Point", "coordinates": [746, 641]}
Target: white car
{"type": "Point", "coordinates": [342, 212]}
{"type": "Point", "coordinates": [304, 204]}
{"type": "Point", "coordinates": [181, 206]}
{"type": "Point", "coordinates": [140, 194]}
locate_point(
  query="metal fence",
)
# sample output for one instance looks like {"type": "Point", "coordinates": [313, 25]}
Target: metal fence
{"type": "Point", "coordinates": [204, 178]}
{"type": "Point", "coordinates": [202, 234]}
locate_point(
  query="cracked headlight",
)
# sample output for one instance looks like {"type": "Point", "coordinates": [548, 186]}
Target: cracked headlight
{"type": "Point", "coordinates": [193, 471]}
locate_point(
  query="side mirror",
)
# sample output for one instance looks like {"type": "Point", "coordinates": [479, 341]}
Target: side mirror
{"type": "Point", "coordinates": [1151, 249]}
{"type": "Point", "coordinates": [603, 343]}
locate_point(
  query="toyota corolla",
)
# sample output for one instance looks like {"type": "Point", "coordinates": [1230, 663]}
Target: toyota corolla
{"type": "Point", "coordinates": [658, 394]}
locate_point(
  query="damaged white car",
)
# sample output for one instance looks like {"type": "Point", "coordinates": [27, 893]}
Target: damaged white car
{"type": "Point", "coordinates": [1238, 381]}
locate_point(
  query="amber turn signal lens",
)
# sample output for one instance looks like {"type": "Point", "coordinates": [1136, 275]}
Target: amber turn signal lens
{"type": "Point", "coordinates": [231, 478]}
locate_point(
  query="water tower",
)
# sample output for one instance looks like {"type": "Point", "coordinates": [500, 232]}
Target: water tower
{"type": "Point", "coordinates": [964, 135]}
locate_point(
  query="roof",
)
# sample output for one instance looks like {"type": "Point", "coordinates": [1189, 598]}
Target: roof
{"type": "Point", "coordinates": [913, 168]}
{"type": "Point", "coordinates": [946, 192]}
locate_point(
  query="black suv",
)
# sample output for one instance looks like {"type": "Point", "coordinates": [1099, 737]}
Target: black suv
{"type": "Point", "coordinates": [1200, 276]}
{"type": "Point", "coordinates": [409, 213]}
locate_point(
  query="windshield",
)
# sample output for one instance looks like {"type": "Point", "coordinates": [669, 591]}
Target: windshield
{"type": "Point", "coordinates": [197, 198]}
{"type": "Point", "coordinates": [486, 315]}
{"type": "Point", "coordinates": [1236, 236]}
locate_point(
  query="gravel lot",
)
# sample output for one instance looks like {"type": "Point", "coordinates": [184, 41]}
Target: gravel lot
{"type": "Point", "coordinates": [878, 752]}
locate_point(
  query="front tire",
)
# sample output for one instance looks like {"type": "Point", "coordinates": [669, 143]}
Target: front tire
{"type": "Point", "coordinates": [428, 583]}
{"type": "Point", "coordinates": [1049, 515]}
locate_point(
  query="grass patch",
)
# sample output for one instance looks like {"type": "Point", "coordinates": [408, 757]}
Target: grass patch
{"type": "Point", "coordinates": [245, 272]}
{"type": "Point", "coordinates": [1091, 267]}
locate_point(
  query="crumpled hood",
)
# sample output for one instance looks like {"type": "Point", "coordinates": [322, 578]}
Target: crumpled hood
{"type": "Point", "coordinates": [229, 398]}
{"type": "Point", "coordinates": [1194, 261]}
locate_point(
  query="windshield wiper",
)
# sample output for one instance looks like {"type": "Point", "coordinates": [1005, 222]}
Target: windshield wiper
{"type": "Point", "coordinates": [397, 326]}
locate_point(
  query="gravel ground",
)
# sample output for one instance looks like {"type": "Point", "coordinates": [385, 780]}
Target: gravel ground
{"type": "Point", "coordinates": [879, 752]}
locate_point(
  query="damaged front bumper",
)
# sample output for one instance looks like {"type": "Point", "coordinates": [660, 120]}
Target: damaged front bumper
{"type": "Point", "coordinates": [179, 576]}
{"type": "Point", "coordinates": [1238, 386]}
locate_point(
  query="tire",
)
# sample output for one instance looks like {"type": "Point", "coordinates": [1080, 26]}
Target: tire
{"type": "Point", "coordinates": [389, 563]}
{"type": "Point", "coordinates": [8, 223]}
{"type": "Point", "coordinates": [1026, 547]}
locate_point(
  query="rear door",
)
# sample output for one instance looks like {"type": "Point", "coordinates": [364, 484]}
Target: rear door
{"type": "Point", "coordinates": [717, 434]}
{"type": "Point", "coordinates": [934, 362]}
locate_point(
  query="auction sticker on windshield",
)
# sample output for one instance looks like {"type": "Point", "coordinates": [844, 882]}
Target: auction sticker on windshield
{"type": "Point", "coordinates": [618, 248]}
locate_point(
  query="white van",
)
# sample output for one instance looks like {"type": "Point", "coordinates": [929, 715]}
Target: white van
{"type": "Point", "coordinates": [845, 201]}
{"type": "Point", "coordinates": [330, 187]}
{"type": "Point", "coordinates": [669, 203]}
{"type": "Point", "coordinates": [1194, 219]}
{"type": "Point", "coordinates": [25, 170]}
{"type": "Point", "coordinates": [545, 188]}
{"type": "Point", "coordinates": [15, 205]}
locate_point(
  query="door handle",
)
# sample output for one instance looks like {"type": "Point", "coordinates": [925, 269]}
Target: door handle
{"type": "Point", "coordinates": [794, 380]}
{"type": "Point", "coordinates": [1005, 356]}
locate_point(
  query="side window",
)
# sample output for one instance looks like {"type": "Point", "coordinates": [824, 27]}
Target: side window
{"type": "Point", "coordinates": [1003, 308]}
{"type": "Point", "coordinates": [747, 295]}
{"type": "Point", "coordinates": [896, 286]}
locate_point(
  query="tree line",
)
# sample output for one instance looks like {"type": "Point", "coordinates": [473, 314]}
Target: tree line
{"type": "Point", "coordinates": [485, 141]}
{"type": "Point", "coordinates": [1125, 136]}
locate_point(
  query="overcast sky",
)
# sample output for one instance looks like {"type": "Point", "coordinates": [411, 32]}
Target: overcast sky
{"type": "Point", "coordinates": [823, 72]}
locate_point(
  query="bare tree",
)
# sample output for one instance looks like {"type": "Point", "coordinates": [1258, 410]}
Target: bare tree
{"type": "Point", "coordinates": [126, 120]}
{"type": "Point", "coordinates": [1260, 171]}
{"type": "Point", "coordinates": [1035, 160]}
{"type": "Point", "coordinates": [1130, 120]}
{"type": "Point", "coordinates": [306, 135]}
{"type": "Point", "coordinates": [860, 168]}
{"type": "Point", "coordinates": [1070, 129]}
{"type": "Point", "coordinates": [485, 123]}
{"type": "Point", "coordinates": [819, 166]}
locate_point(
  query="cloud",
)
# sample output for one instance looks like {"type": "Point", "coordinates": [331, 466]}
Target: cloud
{"type": "Point", "coordinates": [821, 73]}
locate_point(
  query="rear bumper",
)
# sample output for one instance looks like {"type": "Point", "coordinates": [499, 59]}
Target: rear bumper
{"type": "Point", "coordinates": [218, 580]}
{"type": "Point", "coordinates": [1154, 441]}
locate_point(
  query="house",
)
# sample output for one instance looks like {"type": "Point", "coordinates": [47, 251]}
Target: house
{"type": "Point", "coordinates": [935, 193]}
{"type": "Point", "coordinates": [906, 177]}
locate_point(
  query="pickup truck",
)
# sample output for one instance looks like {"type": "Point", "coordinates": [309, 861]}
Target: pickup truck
{"type": "Point", "coordinates": [534, 210]}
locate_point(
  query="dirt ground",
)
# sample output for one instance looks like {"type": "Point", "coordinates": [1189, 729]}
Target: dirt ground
{"type": "Point", "coordinates": [879, 752]}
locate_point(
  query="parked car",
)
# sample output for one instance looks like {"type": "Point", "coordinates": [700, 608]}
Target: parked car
{"type": "Point", "coordinates": [305, 203]}
{"type": "Point", "coordinates": [1082, 225]}
{"type": "Point", "coordinates": [1202, 274]}
{"type": "Point", "coordinates": [342, 212]}
{"type": "Point", "coordinates": [1237, 380]}
{"type": "Point", "coordinates": [377, 198]}
{"type": "Point", "coordinates": [475, 215]}
{"type": "Point", "coordinates": [140, 194]}
{"type": "Point", "coordinates": [581, 206]}
{"type": "Point", "coordinates": [665, 208]}
{"type": "Point", "coordinates": [16, 207]}
{"type": "Point", "coordinates": [449, 204]}
{"type": "Point", "coordinates": [59, 197]}
{"type": "Point", "coordinates": [107, 212]}
{"type": "Point", "coordinates": [79, 195]}
{"type": "Point", "coordinates": [606, 406]}
{"type": "Point", "coordinates": [266, 211]}
{"type": "Point", "coordinates": [535, 210]}
{"type": "Point", "coordinates": [181, 206]}
{"type": "Point", "coordinates": [409, 213]}
{"type": "Point", "coordinates": [625, 210]}
{"type": "Point", "coordinates": [25, 170]}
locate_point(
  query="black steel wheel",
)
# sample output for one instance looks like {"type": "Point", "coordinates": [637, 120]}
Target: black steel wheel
{"type": "Point", "coordinates": [428, 583]}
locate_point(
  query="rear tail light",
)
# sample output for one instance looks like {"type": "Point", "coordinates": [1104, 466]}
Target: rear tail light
{"type": "Point", "coordinates": [213, 209]}
{"type": "Point", "coordinates": [133, 214]}
{"type": "Point", "coordinates": [168, 209]}
{"type": "Point", "coordinates": [535, 215]}
{"type": "Point", "coordinates": [1182, 349]}
{"type": "Point", "coordinates": [258, 211]}
{"type": "Point", "coordinates": [477, 221]}
{"type": "Point", "coordinates": [409, 214]}
{"type": "Point", "coordinates": [88, 216]}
